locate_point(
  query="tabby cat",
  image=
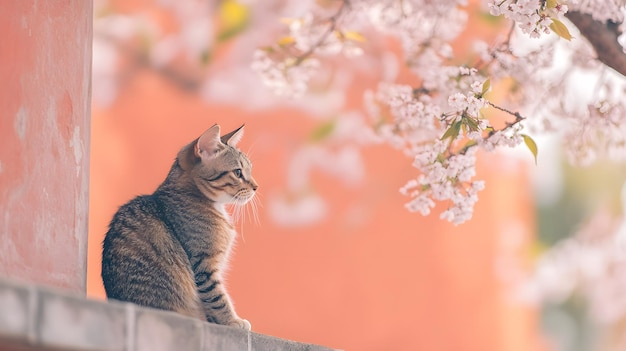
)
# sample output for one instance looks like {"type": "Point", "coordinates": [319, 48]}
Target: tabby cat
{"type": "Point", "coordinates": [168, 250]}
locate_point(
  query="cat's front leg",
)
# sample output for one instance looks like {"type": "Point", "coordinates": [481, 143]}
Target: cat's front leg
{"type": "Point", "coordinates": [216, 303]}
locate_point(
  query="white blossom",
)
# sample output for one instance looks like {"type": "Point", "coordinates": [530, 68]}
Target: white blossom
{"type": "Point", "coordinates": [599, 129]}
{"type": "Point", "coordinates": [439, 122]}
{"type": "Point", "coordinates": [285, 77]}
{"type": "Point", "coordinates": [590, 263]}
{"type": "Point", "coordinates": [530, 15]}
{"type": "Point", "coordinates": [604, 10]}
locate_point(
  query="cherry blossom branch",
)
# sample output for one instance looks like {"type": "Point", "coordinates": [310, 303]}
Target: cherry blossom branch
{"type": "Point", "coordinates": [603, 38]}
{"type": "Point", "coordinates": [472, 144]}
{"type": "Point", "coordinates": [518, 116]}
{"type": "Point", "coordinates": [331, 28]}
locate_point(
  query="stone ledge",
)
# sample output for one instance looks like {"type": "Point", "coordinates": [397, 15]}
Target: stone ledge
{"type": "Point", "coordinates": [34, 318]}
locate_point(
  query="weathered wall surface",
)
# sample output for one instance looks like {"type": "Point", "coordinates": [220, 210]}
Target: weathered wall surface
{"type": "Point", "coordinates": [45, 70]}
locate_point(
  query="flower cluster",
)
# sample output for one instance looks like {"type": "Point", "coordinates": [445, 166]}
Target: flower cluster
{"type": "Point", "coordinates": [308, 35]}
{"type": "Point", "coordinates": [532, 16]}
{"type": "Point", "coordinates": [468, 104]}
{"type": "Point", "coordinates": [430, 128]}
{"type": "Point", "coordinates": [413, 117]}
{"type": "Point", "coordinates": [447, 179]}
{"type": "Point", "coordinates": [438, 123]}
{"type": "Point", "coordinates": [606, 10]}
{"type": "Point", "coordinates": [510, 137]}
{"type": "Point", "coordinates": [599, 130]}
{"type": "Point", "coordinates": [418, 23]}
{"type": "Point", "coordinates": [286, 76]}
{"type": "Point", "coordinates": [592, 263]}
{"type": "Point", "coordinates": [287, 66]}
{"type": "Point", "coordinates": [413, 122]}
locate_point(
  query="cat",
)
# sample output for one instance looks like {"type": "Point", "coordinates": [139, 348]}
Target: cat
{"type": "Point", "coordinates": [169, 250]}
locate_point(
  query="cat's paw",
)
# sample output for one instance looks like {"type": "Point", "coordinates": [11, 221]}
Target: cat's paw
{"type": "Point", "coordinates": [241, 323]}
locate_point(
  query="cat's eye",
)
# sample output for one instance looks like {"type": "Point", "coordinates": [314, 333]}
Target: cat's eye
{"type": "Point", "coordinates": [238, 173]}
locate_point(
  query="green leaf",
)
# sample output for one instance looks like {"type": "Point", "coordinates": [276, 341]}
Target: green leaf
{"type": "Point", "coordinates": [234, 18]}
{"type": "Point", "coordinates": [288, 40]}
{"type": "Point", "coordinates": [354, 36]}
{"type": "Point", "coordinates": [471, 124]}
{"type": "Point", "coordinates": [551, 4]}
{"type": "Point", "coordinates": [453, 131]}
{"type": "Point", "coordinates": [486, 86]}
{"type": "Point", "coordinates": [560, 29]}
{"type": "Point", "coordinates": [532, 146]}
{"type": "Point", "coordinates": [324, 130]}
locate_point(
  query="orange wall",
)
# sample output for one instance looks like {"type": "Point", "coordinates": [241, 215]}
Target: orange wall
{"type": "Point", "coordinates": [371, 276]}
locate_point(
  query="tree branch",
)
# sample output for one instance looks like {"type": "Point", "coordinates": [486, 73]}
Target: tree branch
{"type": "Point", "coordinates": [603, 38]}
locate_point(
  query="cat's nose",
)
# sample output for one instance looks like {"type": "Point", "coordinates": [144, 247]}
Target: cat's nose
{"type": "Point", "coordinates": [253, 184]}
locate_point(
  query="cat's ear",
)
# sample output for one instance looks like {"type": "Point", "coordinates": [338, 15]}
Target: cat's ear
{"type": "Point", "coordinates": [233, 137]}
{"type": "Point", "coordinates": [208, 143]}
{"type": "Point", "coordinates": [203, 147]}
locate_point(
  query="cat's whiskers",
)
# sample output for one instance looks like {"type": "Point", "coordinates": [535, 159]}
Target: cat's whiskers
{"type": "Point", "coordinates": [254, 199]}
{"type": "Point", "coordinates": [243, 217]}
{"type": "Point", "coordinates": [242, 208]}
{"type": "Point", "coordinates": [250, 208]}
{"type": "Point", "coordinates": [239, 213]}
{"type": "Point", "coordinates": [255, 212]}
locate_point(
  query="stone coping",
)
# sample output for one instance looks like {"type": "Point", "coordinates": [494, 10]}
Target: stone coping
{"type": "Point", "coordinates": [40, 318]}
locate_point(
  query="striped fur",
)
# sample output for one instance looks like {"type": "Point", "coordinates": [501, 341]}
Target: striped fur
{"type": "Point", "coordinates": [168, 250]}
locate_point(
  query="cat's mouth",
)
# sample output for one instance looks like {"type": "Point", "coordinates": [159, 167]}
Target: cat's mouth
{"type": "Point", "coordinates": [242, 197]}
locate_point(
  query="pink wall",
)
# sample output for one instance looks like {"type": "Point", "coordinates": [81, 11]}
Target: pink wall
{"type": "Point", "coordinates": [45, 69]}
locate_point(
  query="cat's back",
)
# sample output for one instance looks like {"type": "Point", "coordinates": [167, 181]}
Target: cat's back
{"type": "Point", "coordinates": [140, 256]}
{"type": "Point", "coordinates": [134, 223]}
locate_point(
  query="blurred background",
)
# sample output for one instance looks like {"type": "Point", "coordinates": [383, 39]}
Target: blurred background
{"type": "Point", "coordinates": [334, 257]}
